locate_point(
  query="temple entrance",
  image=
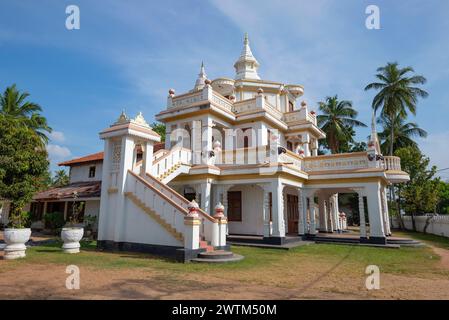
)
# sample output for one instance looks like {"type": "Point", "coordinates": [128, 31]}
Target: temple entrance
{"type": "Point", "coordinates": [292, 213]}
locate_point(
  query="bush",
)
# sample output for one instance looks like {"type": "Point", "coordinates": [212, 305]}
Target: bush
{"type": "Point", "coordinates": [54, 220]}
{"type": "Point", "coordinates": [20, 220]}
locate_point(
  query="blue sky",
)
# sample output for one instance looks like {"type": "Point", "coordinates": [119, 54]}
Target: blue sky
{"type": "Point", "coordinates": [127, 54]}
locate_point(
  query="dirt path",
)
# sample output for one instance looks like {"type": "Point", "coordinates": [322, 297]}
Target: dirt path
{"type": "Point", "coordinates": [444, 254]}
{"type": "Point", "coordinates": [48, 282]}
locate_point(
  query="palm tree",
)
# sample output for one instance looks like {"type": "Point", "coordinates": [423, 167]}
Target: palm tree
{"type": "Point", "coordinates": [60, 178]}
{"type": "Point", "coordinates": [403, 132]}
{"type": "Point", "coordinates": [14, 107]}
{"type": "Point", "coordinates": [337, 120]}
{"type": "Point", "coordinates": [398, 93]}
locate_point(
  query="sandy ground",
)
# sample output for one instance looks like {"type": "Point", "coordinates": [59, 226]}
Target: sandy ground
{"type": "Point", "coordinates": [48, 282]}
{"type": "Point", "coordinates": [309, 281]}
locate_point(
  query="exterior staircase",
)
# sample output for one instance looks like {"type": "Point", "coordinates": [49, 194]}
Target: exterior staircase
{"type": "Point", "coordinates": [155, 216]}
{"type": "Point", "coordinates": [171, 163]}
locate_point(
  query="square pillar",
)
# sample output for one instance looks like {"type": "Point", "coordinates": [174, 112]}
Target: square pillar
{"type": "Point", "coordinates": [375, 213]}
{"type": "Point", "coordinates": [301, 225]}
{"type": "Point", "coordinates": [362, 216]}
{"type": "Point", "coordinates": [278, 209]}
{"type": "Point", "coordinates": [323, 214]}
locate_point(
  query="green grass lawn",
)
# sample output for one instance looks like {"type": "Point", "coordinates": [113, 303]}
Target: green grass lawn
{"type": "Point", "coordinates": [327, 256]}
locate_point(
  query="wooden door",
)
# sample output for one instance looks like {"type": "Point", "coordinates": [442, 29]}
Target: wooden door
{"type": "Point", "coordinates": [292, 213]}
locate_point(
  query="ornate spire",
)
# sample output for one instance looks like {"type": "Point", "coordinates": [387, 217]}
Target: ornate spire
{"type": "Point", "coordinates": [200, 81]}
{"type": "Point", "coordinates": [374, 139]}
{"type": "Point", "coordinates": [246, 66]}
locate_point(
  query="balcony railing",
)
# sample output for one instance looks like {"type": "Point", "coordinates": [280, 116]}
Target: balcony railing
{"type": "Point", "coordinates": [392, 163]}
{"type": "Point", "coordinates": [259, 103]}
{"type": "Point", "coordinates": [343, 161]}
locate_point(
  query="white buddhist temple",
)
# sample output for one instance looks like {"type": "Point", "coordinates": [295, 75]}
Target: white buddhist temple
{"type": "Point", "coordinates": [240, 161]}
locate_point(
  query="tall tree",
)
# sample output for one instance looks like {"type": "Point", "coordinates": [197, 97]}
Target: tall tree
{"type": "Point", "coordinates": [398, 93]}
{"type": "Point", "coordinates": [403, 133]}
{"type": "Point", "coordinates": [337, 121]}
{"type": "Point", "coordinates": [15, 108]}
{"type": "Point", "coordinates": [420, 194]}
{"type": "Point", "coordinates": [23, 166]}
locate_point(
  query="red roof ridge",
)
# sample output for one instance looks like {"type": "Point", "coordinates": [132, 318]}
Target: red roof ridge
{"type": "Point", "coordinates": [99, 156]}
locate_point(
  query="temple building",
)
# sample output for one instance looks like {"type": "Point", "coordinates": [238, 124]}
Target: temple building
{"type": "Point", "coordinates": [240, 159]}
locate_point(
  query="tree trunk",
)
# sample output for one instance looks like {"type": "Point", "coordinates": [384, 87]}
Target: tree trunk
{"type": "Point", "coordinates": [413, 222]}
{"type": "Point", "coordinates": [398, 207]}
{"type": "Point", "coordinates": [427, 224]}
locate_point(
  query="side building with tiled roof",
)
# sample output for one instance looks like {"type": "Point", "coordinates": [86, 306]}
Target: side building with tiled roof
{"type": "Point", "coordinates": [84, 187]}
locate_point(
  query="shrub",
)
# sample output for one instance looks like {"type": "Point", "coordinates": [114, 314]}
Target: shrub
{"type": "Point", "coordinates": [54, 220]}
{"type": "Point", "coordinates": [22, 219]}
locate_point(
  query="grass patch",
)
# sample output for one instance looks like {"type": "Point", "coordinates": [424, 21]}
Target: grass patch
{"type": "Point", "coordinates": [321, 257]}
{"type": "Point", "coordinates": [431, 239]}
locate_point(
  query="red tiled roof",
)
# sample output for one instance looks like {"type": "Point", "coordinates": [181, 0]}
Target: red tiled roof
{"type": "Point", "coordinates": [89, 158]}
{"type": "Point", "coordinates": [98, 157]}
{"type": "Point", "coordinates": [89, 189]}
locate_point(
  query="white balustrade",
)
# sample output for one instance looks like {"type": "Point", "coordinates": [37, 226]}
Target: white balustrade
{"type": "Point", "coordinates": [392, 163]}
{"type": "Point", "coordinates": [345, 161]}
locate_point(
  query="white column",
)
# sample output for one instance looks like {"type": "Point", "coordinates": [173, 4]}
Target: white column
{"type": "Point", "coordinates": [375, 211]}
{"type": "Point", "coordinates": [205, 196]}
{"type": "Point", "coordinates": [322, 213]}
{"type": "Point", "coordinates": [337, 212]}
{"type": "Point", "coordinates": [196, 141]}
{"type": "Point", "coordinates": [306, 144]}
{"type": "Point", "coordinates": [278, 208]}
{"type": "Point", "coordinates": [387, 214]}
{"type": "Point", "coordinates": [362, 215]}
{"type": "Point", "coordinates": [127, 149]}
{"type": "Point", "coordinates": [301, 224]}
{"type": "Point", "coordinates": [312, 216]}
{"type": "Point", "coordinates": [147, 162]}
{"type": "Point", "coordinates": [206, 139]}
{"type": "Point", "coordinates": [305, 213]}
{"type": "Point", "coordinates": [105, 181]}
{"type": "Point", "coordinates": [266, 210]}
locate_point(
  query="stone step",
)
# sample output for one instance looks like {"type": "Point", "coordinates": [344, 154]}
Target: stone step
{"type": "Point", "coordinates": [216, 254]}
{"type": "Point", "coordinates": [228, 258]}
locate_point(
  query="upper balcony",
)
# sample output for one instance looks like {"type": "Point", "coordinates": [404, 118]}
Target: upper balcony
{"type": "Point", "coordinates": [235, 110]}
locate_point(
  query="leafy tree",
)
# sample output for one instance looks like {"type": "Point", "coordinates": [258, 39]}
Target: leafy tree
{"type": "Point", "coordinates": [398, 93]}
{"type": "Point", "coordinates": [159, 128]}
{"type": "Point", "coordinates": [15, 108]}
{"type": "Point", "coordinates": [23, 165]}
{"type": "Point", "coordinates": [418, 195]}
{"type": "Point", "coordinates": [403, 133]}
{"type": "Point", "coordinates": [60, 178]}
{"type": "Point", "coordinates": [443, 194]}
{"type": "Point", "coordinates": [337, 121]}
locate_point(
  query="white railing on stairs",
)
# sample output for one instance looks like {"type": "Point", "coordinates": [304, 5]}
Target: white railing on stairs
{"type": "Point", "coordinates": [167, 208]}
{"type": "Point", "coordinates": [207, 225]}
{"type": "Point", "coordinates": [175, 156]}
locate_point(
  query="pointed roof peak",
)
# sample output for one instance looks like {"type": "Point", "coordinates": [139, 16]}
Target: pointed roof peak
{"type": "Point", "coordinates": [202, 76]}
{"type": "Point", "coordinates": [246, 65]}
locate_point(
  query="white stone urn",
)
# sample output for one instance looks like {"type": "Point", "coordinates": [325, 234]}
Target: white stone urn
{"type": "Point", "coordinates": [71, 238]}
{"type": "Point", "coordinates": [15, 242]}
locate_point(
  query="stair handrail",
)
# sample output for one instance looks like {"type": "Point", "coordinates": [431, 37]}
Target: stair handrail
{"type": "Point", "coordinates": [147, 184]}
{"type": "Point", "coordinates": [180, 197]}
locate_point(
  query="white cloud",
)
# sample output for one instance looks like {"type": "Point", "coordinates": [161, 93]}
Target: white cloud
{"type": "Point", "coordinates": [57, 152]}
{"type": "Point", "coordinates": [57, 136]}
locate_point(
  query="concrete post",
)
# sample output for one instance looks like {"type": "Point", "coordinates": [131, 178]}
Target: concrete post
{"type": "Point", "coordinates": [222, 224]}
{"type": "Point", "coordinates": [192, 228]}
